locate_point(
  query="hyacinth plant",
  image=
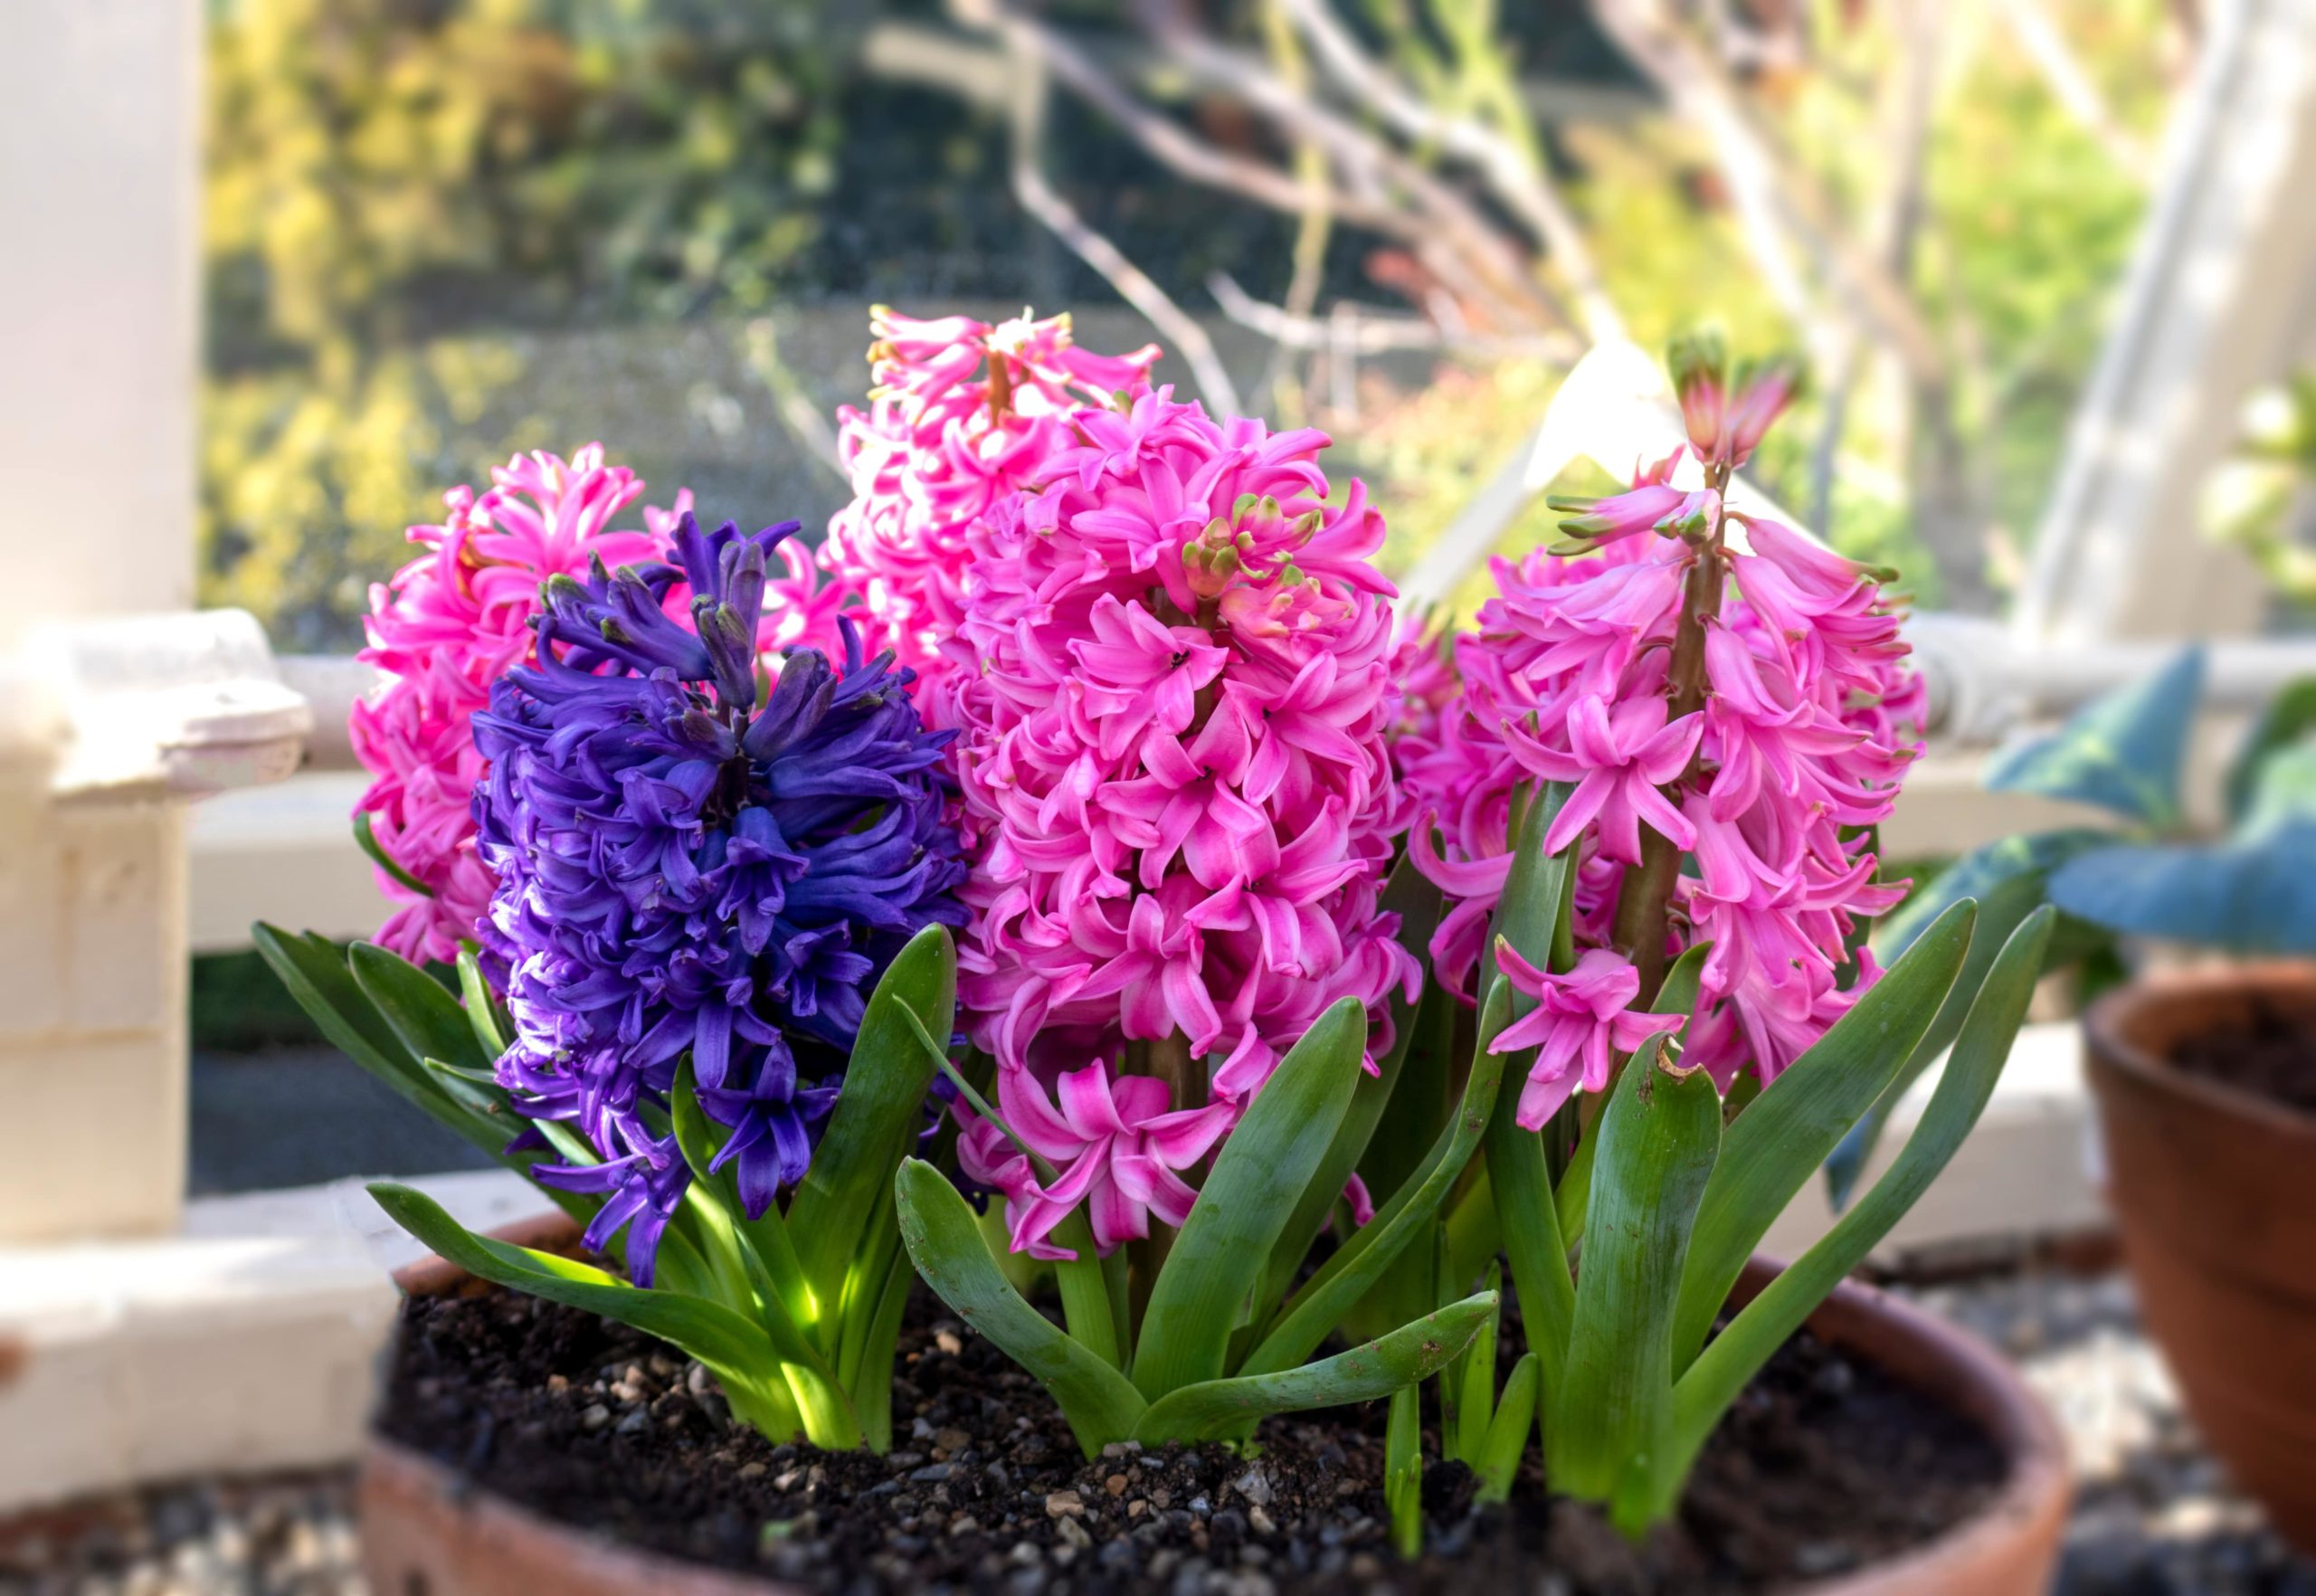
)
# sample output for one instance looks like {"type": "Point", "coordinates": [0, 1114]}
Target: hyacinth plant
{"type": "Point", "coordinates": [1183, 977]}
{"type": "Point", "coordinates": [1651, 815]}
{"type": "Point", "coordinates": [717, 883]}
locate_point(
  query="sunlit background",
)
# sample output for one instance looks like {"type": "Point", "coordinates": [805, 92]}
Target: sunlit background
{"type": "Point", "coordinates": [440, 231]}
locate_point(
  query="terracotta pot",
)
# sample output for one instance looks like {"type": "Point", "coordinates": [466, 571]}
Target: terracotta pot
{"type": "Point", "coordinates": [426, 1531]}
{"type": "Point", "coordinates": [2215, 1192]}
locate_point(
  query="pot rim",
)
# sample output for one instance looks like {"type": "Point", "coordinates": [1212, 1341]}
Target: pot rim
{"type": "Point", "coordinates": [2112, 1025]}
{"type": "Point", "coordinates": [2029, 1506]}
{"type": "Point", "coordinates": [2037, 1487]}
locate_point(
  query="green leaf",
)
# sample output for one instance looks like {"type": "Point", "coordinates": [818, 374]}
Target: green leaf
{"type": "Point", "coordinates": [1613, 1405]}
{"type": "Point", "coordinates": [709, 1332]}
{"type": "Point", "coordinates": [2251, 893]}
{"type": "Point", "coordinates": [1772, 1149]}
{"type": "Point", "coordinates": [1417, 902]}
{"type": "Point", "coordinates": [1507, 1432]}
{"type": "Point", "coordinates": [1224, 1246]}
{"type": "Point", "coordinates": [1084, 1286]}
{"type": "Point", "coordinates": [367, 841]}
{"type": "Point", "coordinates": [1528, 917]}
{"type": "Point", "coordinates": [872, 1387]}
{"type": "Point", "coordinates": [1313, 1312]}
{"type": "Point", "coordinates": [483, 1013]}
{"type": "Point", "coordinates": [2005, 897]}
{"type": "Point", "coordinates": [1678, 995]}
{"type": "Point", "coordinates": [1476, 1405]}
{"type": "Point", "coordinates": [1403, 1470]}
{"type": "Point", "coordinates": [1734, 1356]}
{"type": "Point", "coordinates": [426, 1017]}
{"type": "Point", "coordinates": [314, 971]}
{"type": "Point", "coordinates": [1100, 1404]}
{"type": "Point", "coordinates": [1414, 1351]}
{"type": "Point", "coordinates": [876, 1117]}
{"type": "Point", "coordinates": [2289, 718]}
{"type": "Point", "coordinates": [2123, 751]}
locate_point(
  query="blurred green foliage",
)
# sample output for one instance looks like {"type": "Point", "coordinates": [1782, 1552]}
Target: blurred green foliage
{"type": "Point", "coordinates": [396, 186]}
{"type": "Point", "coordinates": [410, 200]}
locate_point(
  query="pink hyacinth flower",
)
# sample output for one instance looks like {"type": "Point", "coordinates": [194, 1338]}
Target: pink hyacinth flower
{"type": "Point", "coordinates": [964, 413]}
{"type": "Point", "coordinates": [1808, 723]}
{"type": "Point", "coordinates": [1114, 1145]}
{"type": "Point", "coordinates": [1579, 1024]}
{"type": "Point", "coordinates": [1172, 748]}
{"type": "Point", "coordinates": [441, 631]}
{"type": "Point", "coordinates": [1618, 758]}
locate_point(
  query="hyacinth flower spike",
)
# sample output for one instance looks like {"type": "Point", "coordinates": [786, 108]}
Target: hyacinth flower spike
{"type": "Point", "coordinates": [1183, 967]}
{"type": "Point", "coordinates": [1650, 810]}
{"type": "Point", "coordinates": [720, 927]}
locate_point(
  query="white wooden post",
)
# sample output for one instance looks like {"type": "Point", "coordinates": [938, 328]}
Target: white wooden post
{"type": "Point", "coordinates": [100, 183]}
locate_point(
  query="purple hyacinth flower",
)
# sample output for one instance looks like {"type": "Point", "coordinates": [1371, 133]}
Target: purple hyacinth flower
{"type": "Point", "coordinates": [691, 866]}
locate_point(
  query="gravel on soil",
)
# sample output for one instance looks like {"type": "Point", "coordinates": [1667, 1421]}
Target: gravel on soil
{"type": "Point", "coordinates": [2153, 1515]}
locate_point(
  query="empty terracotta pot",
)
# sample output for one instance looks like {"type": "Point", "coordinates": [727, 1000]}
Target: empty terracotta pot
{"type": "Point", "coordinates": [426, 1531]}
{"type": "Point", "coordinates": [2215, 1192]}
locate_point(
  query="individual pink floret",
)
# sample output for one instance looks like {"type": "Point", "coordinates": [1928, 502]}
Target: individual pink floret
{"type": "Point", "coordinates": [1115, 1144]}
{"type": "Point", "coordinates": [1580, 1024]}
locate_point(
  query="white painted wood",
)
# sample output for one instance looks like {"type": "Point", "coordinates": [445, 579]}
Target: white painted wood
{"type": "Point", "coordinates": [100, 181]}
{"type": "Point", "coordinates": [245, 1341]}
{"type": "Point", "coordinates": [283, 854]}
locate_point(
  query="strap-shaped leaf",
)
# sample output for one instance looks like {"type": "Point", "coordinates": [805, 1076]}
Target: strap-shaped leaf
{"type": "Point", "coordinates": [1507, 1432]}
{"type": "Point", "coordinates": [313, 970]}
{"type": "Point", "coordinates": [484, 1015]}
{"type": "Point", "coordinates": [1773, 1148]}
{"type": "Point", "coordinates": [1414, 1351]}
{"type": "Point", "coordinates": [711, 1205]}
{"type": "Point", "coordinates": [1417, 902]}
{"type": "Point", "coordinates": [367, 841]}
{"type": "Point", "coordinates": [2123, 751]}
{"type": "Point", "coordinates": [1403, 1470]}
{"type": "Point", "coordinates": [1100, 1404]}
{"type": "Point", "coordinates": [1473, 1371]}
{"type": "Point", "coordinates": [1614, 1400]}
{"type": "Point", "coordinates": [1314, 1311]}
{"type": "Point", "coordinates": [872, 1386]}
{"type": "Point", "coordinates": [877, 1115]}
{"type": "Point", "coordinates": [1677, 995]}
{"type": "Point", "coordinates": [713, 1333]}
{"type": "Point", "coordinates": [1218, 1257]}
{"type": "Point", "coordinates": [2006, 897]}
{"type": "Point", "coordinates": [426, 1018]}
{"type": "Point", "coordinates": [1528, 916]}
{"type": "Point", "coordinates": [1736, 1355]}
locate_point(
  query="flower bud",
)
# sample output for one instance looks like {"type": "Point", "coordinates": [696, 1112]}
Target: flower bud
{"type": "Point", "coordinates": [1700, 365]}
{"type": "Point", "coordinates": [1763, 389]}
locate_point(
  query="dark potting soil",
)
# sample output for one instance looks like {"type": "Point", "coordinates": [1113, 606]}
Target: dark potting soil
{"type": "Point", "coordinates": [2271, 1054]}
{"type": "Point", "coordinates": [1824, 1464]}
